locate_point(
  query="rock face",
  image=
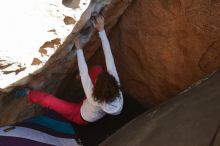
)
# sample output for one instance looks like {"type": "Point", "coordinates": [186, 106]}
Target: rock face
{"type": "Point", "coordinates": [41, 53]}
{"type": "Point", "coordinates": [163, 46]}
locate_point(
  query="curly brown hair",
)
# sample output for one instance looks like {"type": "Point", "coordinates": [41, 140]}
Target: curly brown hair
{"type": "Point", "coordinates": [106, 88]}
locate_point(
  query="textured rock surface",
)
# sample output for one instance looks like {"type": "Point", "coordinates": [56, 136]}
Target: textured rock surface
{"type": "Point", "coordinates": [49, 73]}
{"type": "Point", "coordinates": [190, 119]}
{"type": "Point", "coordinates": [163, 46]}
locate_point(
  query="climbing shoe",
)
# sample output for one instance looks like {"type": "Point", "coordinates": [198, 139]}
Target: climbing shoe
{"type": "Point", "coordinates": [21, 92]}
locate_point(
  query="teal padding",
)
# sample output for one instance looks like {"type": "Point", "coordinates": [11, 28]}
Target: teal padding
{"type": "Point", "coordinates": [55, 125]}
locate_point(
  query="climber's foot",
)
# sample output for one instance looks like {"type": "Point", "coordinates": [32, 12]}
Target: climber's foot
{"type": "Point", "coordinates": [22, 92]}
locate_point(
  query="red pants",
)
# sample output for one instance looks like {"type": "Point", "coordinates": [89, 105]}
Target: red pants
{"type": "Point", "coordinates": [69, 110]}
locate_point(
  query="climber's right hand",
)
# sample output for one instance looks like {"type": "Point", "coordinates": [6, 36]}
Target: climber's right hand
{"type": "Point", "coordinates": [99, 22]}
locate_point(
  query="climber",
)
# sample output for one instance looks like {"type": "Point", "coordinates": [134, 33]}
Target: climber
{"type": "Point", "coordinates": [102, 88]}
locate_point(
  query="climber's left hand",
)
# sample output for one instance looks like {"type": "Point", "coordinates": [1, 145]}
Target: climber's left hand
{"type": "Point", "coordinates": [77, 43]}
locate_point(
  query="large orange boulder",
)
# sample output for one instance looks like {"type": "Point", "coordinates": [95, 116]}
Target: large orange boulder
{"type": "Point", "coordinates": [163, 46]}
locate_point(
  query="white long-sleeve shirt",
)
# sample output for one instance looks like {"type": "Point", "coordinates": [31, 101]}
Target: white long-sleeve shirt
{"type": "Point", "coordinates": [91, 110]}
